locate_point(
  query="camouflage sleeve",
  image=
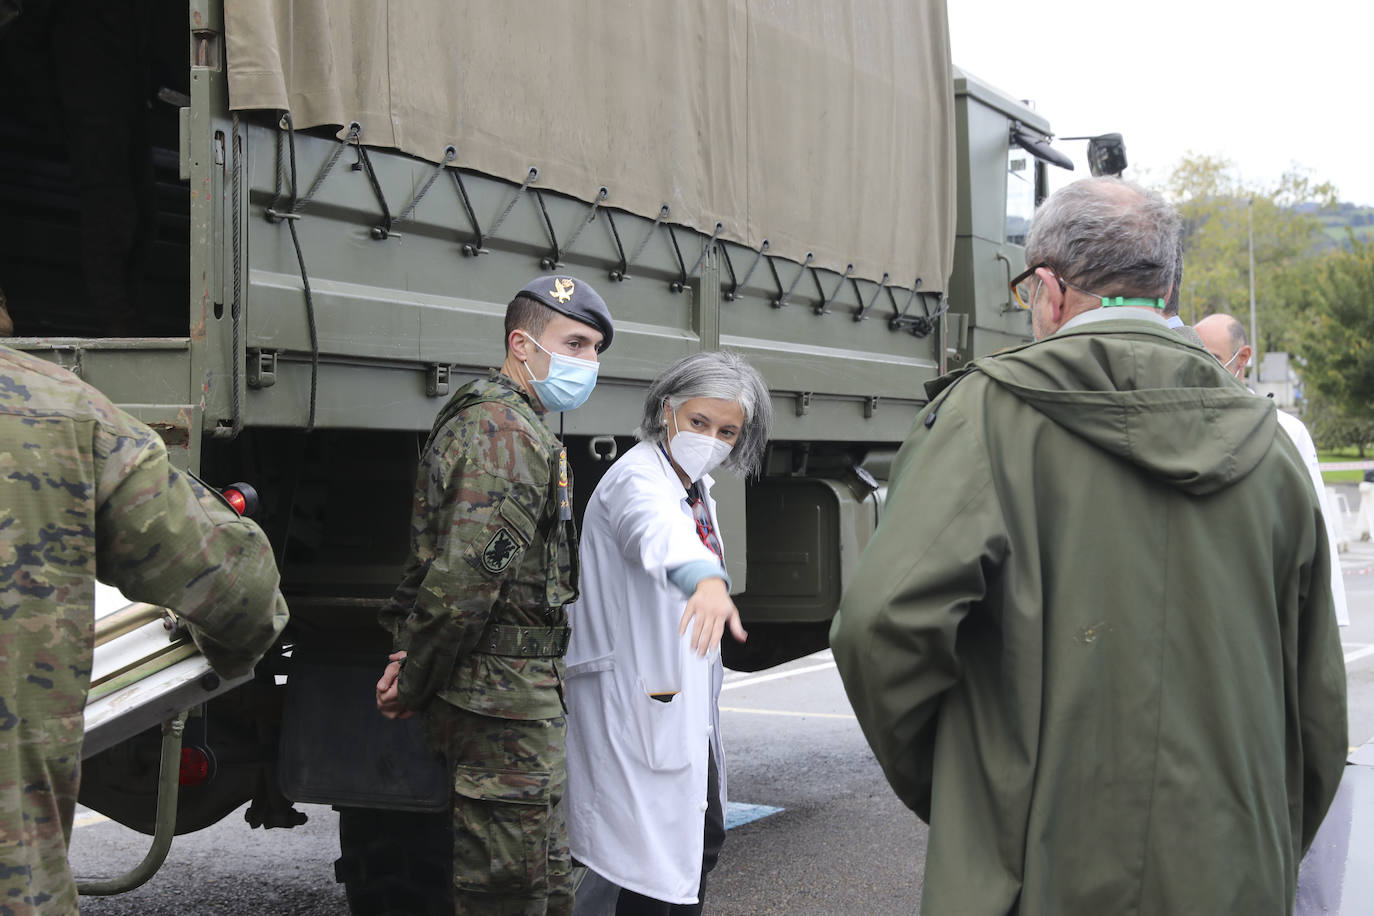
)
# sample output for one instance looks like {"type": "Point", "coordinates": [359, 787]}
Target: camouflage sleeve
{"type": "Point", "coordinates": [492, 498]}
{"type": "Point", "coordinates": [392, 616]}
{"type": "Point", "coordinates": [166, 539]}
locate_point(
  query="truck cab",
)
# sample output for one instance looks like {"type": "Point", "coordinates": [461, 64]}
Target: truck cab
{"type": "Point", "coordinates": [1000, 184]}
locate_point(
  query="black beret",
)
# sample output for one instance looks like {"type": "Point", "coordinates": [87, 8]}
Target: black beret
{"type": "Point", "coordinates": [574, 298]}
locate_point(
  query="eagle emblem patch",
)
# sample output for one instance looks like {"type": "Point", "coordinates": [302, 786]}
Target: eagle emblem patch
{"type": "Point", "coordinates": [562, 289]}
{"type": "Point", "coordinates": [500, 551]}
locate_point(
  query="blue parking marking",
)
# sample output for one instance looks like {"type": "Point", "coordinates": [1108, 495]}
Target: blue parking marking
{"type": "Point", "coordinates": [737, 814]}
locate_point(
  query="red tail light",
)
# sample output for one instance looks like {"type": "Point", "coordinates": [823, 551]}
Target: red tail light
{"type": "Point", "coordinates": [195, 766]}
{"type": "Point", "coordinates": [243, 497]}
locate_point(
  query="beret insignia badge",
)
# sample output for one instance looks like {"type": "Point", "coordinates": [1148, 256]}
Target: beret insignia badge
{"type": "Point", "coordinates": [562, 289]}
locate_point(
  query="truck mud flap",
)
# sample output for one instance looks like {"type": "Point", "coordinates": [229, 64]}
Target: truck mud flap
{"type": "Point", "coordinates": [337, 749]}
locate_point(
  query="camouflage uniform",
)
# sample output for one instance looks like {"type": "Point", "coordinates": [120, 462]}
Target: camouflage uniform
{"type": "Point", "coordinates": [481, 615]}
{"type": "Point", "coordinates": [86, 491]}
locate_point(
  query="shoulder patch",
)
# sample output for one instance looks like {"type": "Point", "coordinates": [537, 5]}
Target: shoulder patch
{"type": "Point", "coordinates": [500, 550]}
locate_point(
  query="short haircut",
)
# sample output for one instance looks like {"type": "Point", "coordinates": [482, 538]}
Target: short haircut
{"type": "Point", "coordinates": [1235, 332]}
{"type": "Point", "coordinates": [714, 374]}
{"type": "Point", "coordinates": [528, 315]}
{"type": "Point", "coordinates": [1108, 237]}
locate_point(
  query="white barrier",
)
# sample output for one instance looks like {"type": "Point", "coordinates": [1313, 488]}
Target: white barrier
{"type": "Point", "coordinates": [1364, 518]}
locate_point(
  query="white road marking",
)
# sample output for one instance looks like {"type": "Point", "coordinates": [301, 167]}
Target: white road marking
{"type": "Point", "coordinates": [1358, 654]}
{"type": "Point", "coordinates": [89, 819]}
{"type": "Point", "coordinates": [764, 678]}
{"type": "Point", "coordinates": [788, 712]}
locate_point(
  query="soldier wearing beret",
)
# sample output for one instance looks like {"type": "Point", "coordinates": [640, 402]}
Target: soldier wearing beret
{"type": "Point", "coordinates": [86, 490]}
{"type": "Point", "coordinates": [479, 620]}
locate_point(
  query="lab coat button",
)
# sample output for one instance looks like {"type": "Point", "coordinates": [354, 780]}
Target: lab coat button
{"type": "Point", "coordinates": [704, 806]}
{"type": "Point", "coordinates": [708, 731]}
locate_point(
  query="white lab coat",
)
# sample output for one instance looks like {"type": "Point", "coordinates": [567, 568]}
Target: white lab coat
{"type": "Point", "coordinates": [1308, 450]}
{"type": "Point", "coordinates": [636, 796]}
{"type": "Point", "coordinates": [1303, 440]}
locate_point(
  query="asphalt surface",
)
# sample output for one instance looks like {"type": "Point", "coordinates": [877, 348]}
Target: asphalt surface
{"type": "Point", "coordinates": [840, 844]}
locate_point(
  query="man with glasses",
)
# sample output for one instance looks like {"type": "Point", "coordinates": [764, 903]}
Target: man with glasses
{"type": "Point", "coordinates": [1092, 640]}
{"type": "Point", "coordinates": [1224, 337]}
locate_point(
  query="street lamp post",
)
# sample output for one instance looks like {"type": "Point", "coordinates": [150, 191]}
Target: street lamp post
{"type": "Point", "coordinates": [1254, 336]}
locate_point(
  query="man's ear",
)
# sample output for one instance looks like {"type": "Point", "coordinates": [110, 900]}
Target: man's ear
{"type": "Point", "coordinates": [519, 345]}
{"type": "Point", "coordinates": [1055, 295]}
{"type": "Point", "coordinates": [1243, 357]}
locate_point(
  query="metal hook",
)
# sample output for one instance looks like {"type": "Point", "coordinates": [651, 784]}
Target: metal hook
{"type": "Point", "coordinates": [824, 307]}
{"type": "Point", "coordinates": [385, 228]}
{"type": "Point", "coordinates": [551, 260]}
{"type": "Point", "coordinates": [733, 292]}
{"type": "Point", "coordinates": [919, 325]}
{"type": "Point", "coordinates": [862, 313]}
{"type": "Point", "coordinates": [379, 232]}
{"type": "Point", "coordinates": [475, 247]}
{"type": "Point", "coordinates": [896, 314]}
{"type": "Point", "coordinates": [679, 284]}
{"type": "Point", "coordinates": [782, 299]}
{"type": "Point", "coordinates": [623, 272]}
{"type": "Point", "coordinates": [602, 194]}
{"type": "Point", "coordinates": [681, 281]}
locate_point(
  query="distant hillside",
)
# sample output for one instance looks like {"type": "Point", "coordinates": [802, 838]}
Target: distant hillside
{"type": "Point", "coordinates": [1336, 220]}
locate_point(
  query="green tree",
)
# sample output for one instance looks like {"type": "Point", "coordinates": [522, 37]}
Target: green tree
{"type": "Point", "coordinates": [1331, 429]}
{"type": "Point", "coordinates": [1333, 332]}
{"type": "Point", "coordinates": [1216, 205]}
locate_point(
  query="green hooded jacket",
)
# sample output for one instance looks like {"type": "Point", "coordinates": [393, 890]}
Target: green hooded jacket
{"type": "Point", "coordinates": [1092, 642]}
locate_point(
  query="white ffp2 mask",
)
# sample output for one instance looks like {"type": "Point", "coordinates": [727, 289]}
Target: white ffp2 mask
{"type": "Point", "coordinates": [696, 454]}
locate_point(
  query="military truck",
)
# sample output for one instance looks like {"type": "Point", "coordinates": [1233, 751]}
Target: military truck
{"type": "Point", "coordinates": [288, 253]}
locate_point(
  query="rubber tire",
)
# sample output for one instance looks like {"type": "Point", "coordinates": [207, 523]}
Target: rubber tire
{"type": "Point", "coordinates": [395, 863]}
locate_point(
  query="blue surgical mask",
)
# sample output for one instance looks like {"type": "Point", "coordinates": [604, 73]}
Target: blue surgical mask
{"type": "Point", "coordinates": [568, 383]}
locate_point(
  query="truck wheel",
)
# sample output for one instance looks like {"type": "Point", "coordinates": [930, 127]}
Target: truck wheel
{"type": "Point", "coordinates": [395, 863]}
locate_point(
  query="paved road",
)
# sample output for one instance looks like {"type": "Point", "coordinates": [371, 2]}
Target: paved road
{"type": "Point", "coordinates": [840, 843]}
{"type": "Point", "coordinates": [1358, 639]}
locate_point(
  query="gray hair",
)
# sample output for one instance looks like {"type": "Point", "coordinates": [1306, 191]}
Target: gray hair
{"type": "Point", "coordinates": [1109, 237]}
{"type": "Point", "coordinates": [713, 374]}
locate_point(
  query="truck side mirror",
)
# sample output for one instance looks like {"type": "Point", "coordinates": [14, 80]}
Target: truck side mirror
{"type": "Point", "coordinates": [1106, 155]}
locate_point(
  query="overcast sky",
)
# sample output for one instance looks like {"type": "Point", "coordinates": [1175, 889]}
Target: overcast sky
{"type": "Point", "coordinates": [1263, 83]}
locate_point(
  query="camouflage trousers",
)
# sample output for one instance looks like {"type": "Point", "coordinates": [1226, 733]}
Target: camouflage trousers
{"type": "Point", "coordinates": [510, 842]}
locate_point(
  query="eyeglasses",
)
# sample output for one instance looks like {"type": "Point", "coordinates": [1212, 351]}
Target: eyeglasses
{"type": "Point", "coordinates": [1023, 290]}
{"type": "Point", "coordinates": [704, 529]}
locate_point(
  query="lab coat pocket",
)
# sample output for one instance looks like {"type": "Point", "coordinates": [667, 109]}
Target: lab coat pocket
{"type": "Point", "coordinates": [660, 718]}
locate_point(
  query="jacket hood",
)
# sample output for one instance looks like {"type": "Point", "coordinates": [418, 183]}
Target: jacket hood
{"type": "Point", "coordinates": [1146, 396]}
